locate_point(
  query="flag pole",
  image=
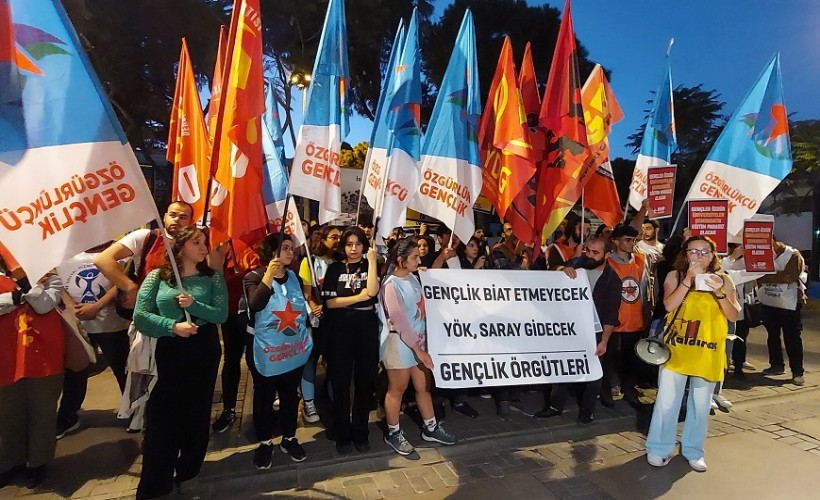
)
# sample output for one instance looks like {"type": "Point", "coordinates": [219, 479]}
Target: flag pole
{"type": "Point", "coordinates": [677, 219]}
{"type": "Point", "coordinates": [169, 253]}
{"type": "Point", "coordinates": [582, 216]}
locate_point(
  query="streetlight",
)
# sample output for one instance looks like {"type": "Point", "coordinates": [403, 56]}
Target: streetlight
{"type": "Point", "coordinates": [301, 80]}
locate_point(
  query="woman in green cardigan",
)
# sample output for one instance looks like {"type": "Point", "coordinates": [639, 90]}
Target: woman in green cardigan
{"type": "Point", "coordinates": [187, 356]}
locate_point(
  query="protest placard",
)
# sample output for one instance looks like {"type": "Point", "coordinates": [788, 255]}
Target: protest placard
{"type": "Point", "coordinates": [758, 253]}
{"type": "Point", "coordinates": [710, 218]}
{"type": "Point", "coordinates": [661, 187]}
{"type": "Point", "coordinates": [497, 328]}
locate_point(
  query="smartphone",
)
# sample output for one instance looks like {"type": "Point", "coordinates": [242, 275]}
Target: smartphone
{"type": "Point", "coordinates": [700, 283]}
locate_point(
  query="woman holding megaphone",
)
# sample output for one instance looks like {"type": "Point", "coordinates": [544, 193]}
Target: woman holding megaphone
{"type": "Point", "coordinates": [701, 301]}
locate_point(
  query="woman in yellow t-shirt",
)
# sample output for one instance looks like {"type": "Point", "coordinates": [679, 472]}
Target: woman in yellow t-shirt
{"type": "Point", "coordinates": [707, 302]}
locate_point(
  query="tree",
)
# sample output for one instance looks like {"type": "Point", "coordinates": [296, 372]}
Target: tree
{"type": "Point", "coordinates": [353, 157]}
{"type": "Point", "coordinates": [134, 47]}
{"type": "Point", "coordinates": [493, 20]}
{"type": "Point", "coordinates": [698, 123]}
{"type": "Point", "coordinates": [794, 193]}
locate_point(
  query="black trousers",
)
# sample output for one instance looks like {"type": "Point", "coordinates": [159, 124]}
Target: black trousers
{"type": "Point", "coordinates": [178, 415]}
{"type": "Point", "coordinates": [264, 394]}
{"type": "Point", "coordinates": [777, 320]}
{"type": "Point", "coordinates": [114, 346]}
{"type": "Point", "coordinates": [620, 364]}
{"type": "Point", "coordinates": [233, 338]}
{"type": "Point", "coordinates": [739, 348]}
{"type": "Point", "coordinates": [353, 354]}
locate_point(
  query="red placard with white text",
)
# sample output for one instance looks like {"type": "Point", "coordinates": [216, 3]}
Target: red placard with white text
{"type": "Point", "coordinates": [758, 253]}
{"type": "Point", "coordinates": [661, 190]}
{"type": "Point", "coordinates": [710, 218]}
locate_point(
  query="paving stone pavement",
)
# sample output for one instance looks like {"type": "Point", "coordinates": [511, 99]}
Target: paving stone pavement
{"type": "Point", "coordinates": [549, 459]}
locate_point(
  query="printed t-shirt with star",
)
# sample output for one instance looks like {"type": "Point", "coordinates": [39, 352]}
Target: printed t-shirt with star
{"type": "Point", "coordinates": [347, 280]}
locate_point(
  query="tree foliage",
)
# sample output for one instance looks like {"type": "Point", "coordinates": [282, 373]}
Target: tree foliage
{"type": "Point", "coordinates": [699, 119]}
{"type": "Point", "coordinates": [353, 157]}
{"type": "Point", "coordinates": [793, 194]}
{"type": "Point", "coordinates": [134, 47]}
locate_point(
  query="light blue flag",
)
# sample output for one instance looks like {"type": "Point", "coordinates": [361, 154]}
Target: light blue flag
{"type": "Point", "coordinates": [78, 183]}
{"type": "Point", "coordinates": [450, 170]}
{"type": "Point", "coordinates": [753, 153]}
{"type": "Point", "coordinates": [275, 178]}
{"type": "Point", "coordinates": [273, 122]}
{"type": "Point", "coordinates": [327, 101]}
{"type": "Point", "coordinates": [375, 164]}
{"type": "Point", "coordinates": [659, 139]}
{"type": "Point", "coordinates": [403, 119]}
{"type": "Point", "coordinates": [380, 138]}
{"type": "Point", "coordinates": [316, 173]}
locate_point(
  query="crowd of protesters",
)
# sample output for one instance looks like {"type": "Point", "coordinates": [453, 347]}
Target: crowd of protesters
{"type": "Point", "coordinates": [355, 307]}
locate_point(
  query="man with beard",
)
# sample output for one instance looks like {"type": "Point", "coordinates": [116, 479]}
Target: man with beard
{"type": "Point", "coordinates": [568, 247]}
{"type": "Point", "coordinates": [606, 295]}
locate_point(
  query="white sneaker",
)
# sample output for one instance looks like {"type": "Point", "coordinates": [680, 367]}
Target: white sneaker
{"type": "Point", "coordinates": [722, 401]}
{"type": "Point", "coordinates": [714, 405]}
{"type": "Point", "coordinates": [309, 413]}
{"type": "Point", "coordinates": [698, 465]}
{"type": "Point", "coordinates": [656, 461]}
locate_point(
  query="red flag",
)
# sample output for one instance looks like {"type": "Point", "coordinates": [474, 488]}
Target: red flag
{"type": "Point", "coordinates": [528, 83]}
{"type": "Point", "coordinates": [601, 196]}
{"type": "Point", "coordinates": [188, 140]}
{"type": "Point", "coordinates": [238, 210]}
{"type": "Point", "coordinates": [521, 214]}
{"type": "Point", "coordinates": [503, 137]}
{"type": "Point", "coordinates": [562, 117]}
{"type": "Point", "coordinates": [216, 94]}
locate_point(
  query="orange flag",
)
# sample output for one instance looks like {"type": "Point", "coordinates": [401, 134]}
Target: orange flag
{"type": "Point", "coordinates": [188, 140]}
{"type": "Point", "coordinates": [238, 209]}
{"type": "Point", "coordinates": [521, 214]}
{"type": "Point", "coordinates": [216, 93]}
{"type": "Point", "coordinates": [562, 118]}
{"type": "Point", "coordinates": [503, 137]}
{"type": "Point", "coordinates": [601, 111]}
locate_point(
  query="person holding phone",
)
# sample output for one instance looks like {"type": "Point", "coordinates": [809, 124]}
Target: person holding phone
{"type": "Point", "coordinates": [700, 301]}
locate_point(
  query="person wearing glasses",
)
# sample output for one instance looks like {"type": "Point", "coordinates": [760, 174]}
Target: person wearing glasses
{"type": "Point", "coordinates": [700, 301]}
{"type": "Point", "coordinates": [323, 253]}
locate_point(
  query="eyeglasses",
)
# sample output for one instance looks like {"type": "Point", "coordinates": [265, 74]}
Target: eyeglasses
{"type": "Point", "coordinates": [334, 237]}
{"type": "Point", "coordinates": [697, 252]}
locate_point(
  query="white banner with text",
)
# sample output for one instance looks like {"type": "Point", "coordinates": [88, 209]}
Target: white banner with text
{"type": "Point", "coordinates": [496, 328]}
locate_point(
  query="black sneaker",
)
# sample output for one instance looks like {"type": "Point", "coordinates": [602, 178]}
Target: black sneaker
{"type": "Point", "coordinates": [344, 448]}
{"type": "Point", "coordinates": [7, 477]}
{"type": "Point", "coordinates": [292, 448]}
{"type": "Point", "coordinates": [585, 417]}
{"type": "Point", "coordinates": [774, 370]}
{"type": "Point", "coordinates": [362, 446]}
{"type": "Point", "coordinates": [224, 421]}
{"type": "Point", "coordinates": [263, 456]}
{"type": "Point", "coordinates": [67, 426]}
{"type": "Point", "coordinates": [465, 409]}
{"type": "Point", "coordinates": [548, 412]}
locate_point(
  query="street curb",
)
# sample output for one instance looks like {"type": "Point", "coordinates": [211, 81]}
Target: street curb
{"type": "Point", "coordinates": [306, 474]}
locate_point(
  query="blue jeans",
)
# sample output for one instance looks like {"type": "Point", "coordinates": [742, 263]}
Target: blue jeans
{"type": "Point", "coordinates": [661, 438]}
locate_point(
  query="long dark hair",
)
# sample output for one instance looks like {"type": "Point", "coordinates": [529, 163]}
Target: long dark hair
{"type": "Point", "coordinates": [267, 248]}
{"type": "Point", "coordinates": [319, 249]}
{"type": "Point", "coordinates": [401, 250]}
{"type": "Point", "coordinates": [181, 236]}
{"type": "Point", "coordinates": [682, 263]}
